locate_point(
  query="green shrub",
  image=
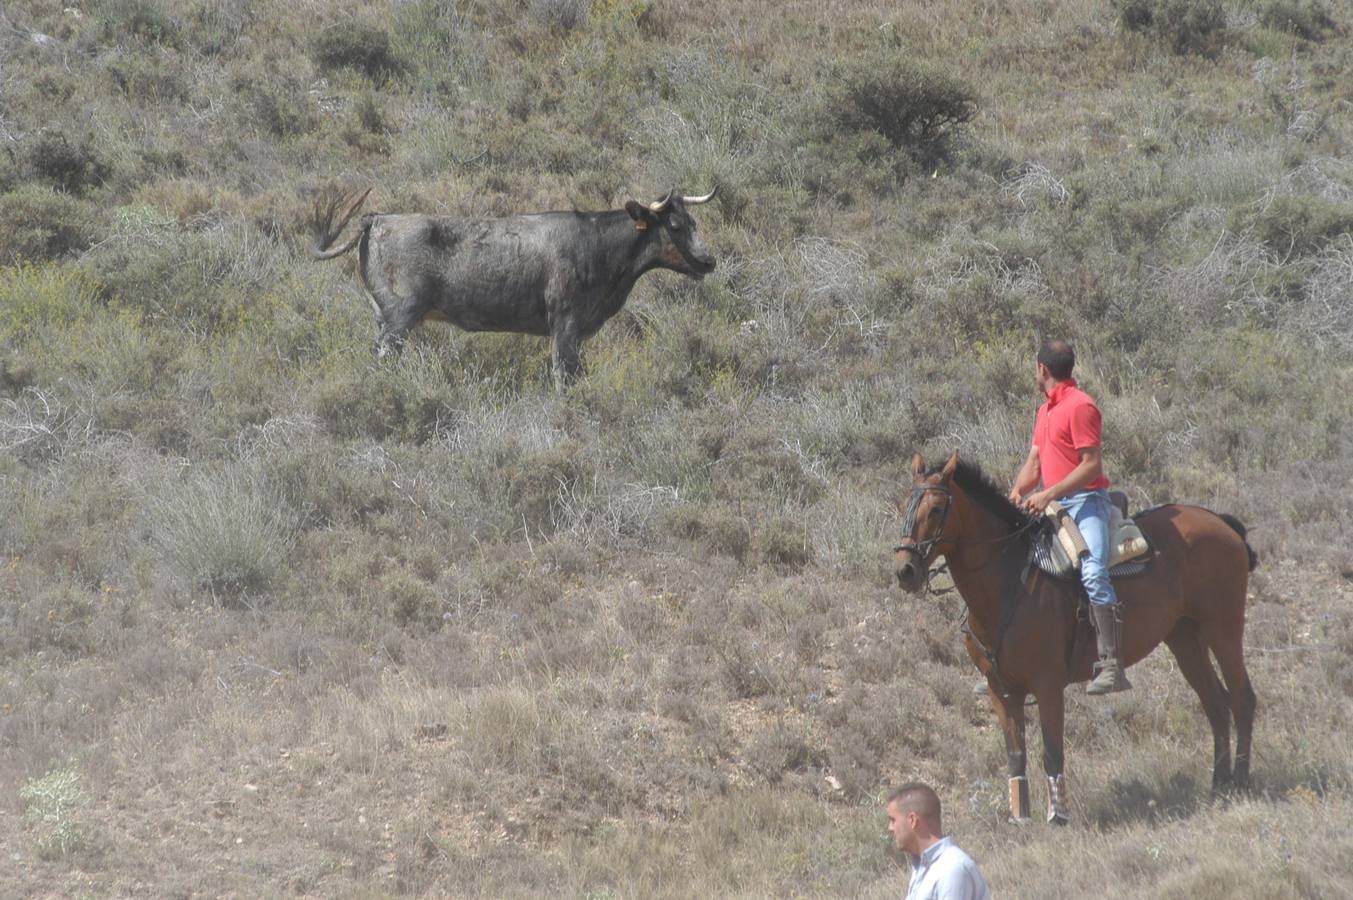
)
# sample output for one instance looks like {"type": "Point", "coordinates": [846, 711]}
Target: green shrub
{"type": "Point", "coordinates": [783, 542]}
{"type": "Point", "coordinates": [1187, 26]}
{"type": "Point", "coordinates": [42, 223]}
{"type": "Point", "coordinates": [53, 806]}
{"type": "Point", "coordinates": [35, 297]}
{"type": "Point", "coordinates": [358, 46]}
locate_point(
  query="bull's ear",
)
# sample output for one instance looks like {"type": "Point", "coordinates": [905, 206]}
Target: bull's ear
{"type": "Point", "coordinates": [638, 212]}
{"type": "Point", "coordinates": [950, 466]}
{"type": "Point", "coordinates": [917, 465]}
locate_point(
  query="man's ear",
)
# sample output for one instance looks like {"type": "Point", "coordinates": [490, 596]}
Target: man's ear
{"type": "Point", "coordinates": [642, 215]}
{"type": "Point", "coordinates": [917, 465]}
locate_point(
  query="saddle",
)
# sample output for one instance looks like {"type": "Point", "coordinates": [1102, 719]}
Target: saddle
{"type": "Point", "coordinates": [1059, 547]}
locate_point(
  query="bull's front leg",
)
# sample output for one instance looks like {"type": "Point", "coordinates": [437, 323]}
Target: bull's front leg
{"type": "Point", "coordinates": [565, 351]}
{"type": "Point", "coordinates": [1010, 714]}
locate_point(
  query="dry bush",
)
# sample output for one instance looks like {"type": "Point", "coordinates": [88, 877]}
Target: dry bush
{"type": "Point", "coordinates": [564, 15]}
{"type": "Point", "coordinates": [357, 45]}
{"type": "Point", "coordinates": [918, 109]}
{"type": "Point", "coordinates": [976, 290]}
{"type": "Point", "coordinates": [221, 531]}
{"type": "Point", "coordinates": [1187, 26]}
{"type": "Point", "coordinates": [1325, 311]}
{"type": "Point", "coordinates": [71, 166]}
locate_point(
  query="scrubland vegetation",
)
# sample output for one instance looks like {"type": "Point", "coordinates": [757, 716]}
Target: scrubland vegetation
{"type": "Point", "coordinates": [279, 618]}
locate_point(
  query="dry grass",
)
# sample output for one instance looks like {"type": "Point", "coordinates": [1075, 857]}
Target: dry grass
{"type": "Point", "coordinates": [279, 618]}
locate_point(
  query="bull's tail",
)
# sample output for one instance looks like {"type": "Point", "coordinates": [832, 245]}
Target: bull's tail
{"type": "Point", "coordinates": [327, 222]}
{"type": "Point", "coordinates": [1239, 528]}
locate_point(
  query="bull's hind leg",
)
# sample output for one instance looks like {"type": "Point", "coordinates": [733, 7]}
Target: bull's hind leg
{"type": "Point", "coordinates": [1185, 642]}
{"type": "Point", "coordinates": [395, 327]}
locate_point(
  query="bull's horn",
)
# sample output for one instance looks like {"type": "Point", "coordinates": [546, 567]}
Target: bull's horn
{"type": "Point", "coordinates": [660, 205]}
{"type": "Point", "coordinates": [691, 201]}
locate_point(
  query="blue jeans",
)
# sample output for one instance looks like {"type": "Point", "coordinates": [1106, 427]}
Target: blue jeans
{"type": "Point", "coordinates": [1090, 509]}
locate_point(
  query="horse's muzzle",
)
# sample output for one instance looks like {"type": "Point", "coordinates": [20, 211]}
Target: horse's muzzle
{"type": "Point", "coordinates": [911, 574]}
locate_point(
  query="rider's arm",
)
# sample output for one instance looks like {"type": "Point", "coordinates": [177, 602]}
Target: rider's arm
{"type": "Point", "coordinates": [1087, 470]}
{"type": "Point", "coordinates": [1027, 477]}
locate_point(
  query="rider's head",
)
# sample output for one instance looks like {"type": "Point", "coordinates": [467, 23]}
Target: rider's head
{"type": "Point", "coordinates": [1056, 359]}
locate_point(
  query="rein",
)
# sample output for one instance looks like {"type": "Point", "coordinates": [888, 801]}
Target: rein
{"type": "Point", "coordinates": [922, 548]}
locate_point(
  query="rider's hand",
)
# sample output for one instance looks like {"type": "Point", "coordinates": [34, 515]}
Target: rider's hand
{"type": "Point", "coordinates": [1038, 501]}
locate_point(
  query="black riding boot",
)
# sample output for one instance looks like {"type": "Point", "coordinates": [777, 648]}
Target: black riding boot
{"type": "Point", "coordinates": [1109, 675]}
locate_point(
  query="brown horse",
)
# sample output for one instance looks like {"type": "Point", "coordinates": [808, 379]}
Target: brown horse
{"type": "Point", "coordinates": [1022, 628]}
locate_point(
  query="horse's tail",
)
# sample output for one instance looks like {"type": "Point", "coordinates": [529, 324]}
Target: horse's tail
{"type": "Point", "coordinates": [1239, 528]}
{"type": "Point", "coordinates": [328, 220]}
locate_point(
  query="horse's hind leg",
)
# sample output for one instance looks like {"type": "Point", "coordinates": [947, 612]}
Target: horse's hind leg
{"type": "Point", "coordinates": [1185, 642]}
{"type": "Point", "coordinates": [1226, 646]}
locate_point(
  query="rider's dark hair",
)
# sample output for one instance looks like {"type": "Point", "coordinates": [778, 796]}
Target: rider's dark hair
{"type": "Point", "coordinates": [920, 799]}
{"type": "Point", "coordinates": [1059, 357]}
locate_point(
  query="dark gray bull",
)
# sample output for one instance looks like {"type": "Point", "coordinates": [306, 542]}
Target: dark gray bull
{"type": "Point", "coordinates": [556, 274]}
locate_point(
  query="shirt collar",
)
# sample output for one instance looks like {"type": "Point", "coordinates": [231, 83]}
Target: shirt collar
{"type": "Point", "coordinates": [934, 850]}
{"type": "Point", "coordinates": [1058, 393]}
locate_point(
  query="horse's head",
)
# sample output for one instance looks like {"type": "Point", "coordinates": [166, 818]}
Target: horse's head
{"type": "Point", "coordinates": [925, 516]}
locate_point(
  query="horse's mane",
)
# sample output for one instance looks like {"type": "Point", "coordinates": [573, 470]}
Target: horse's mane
{"type": "Point", "coordinates": [979, 486]}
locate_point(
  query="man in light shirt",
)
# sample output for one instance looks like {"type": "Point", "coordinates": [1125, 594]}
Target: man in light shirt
{"type": "Point", "coordinates": [939, 869]}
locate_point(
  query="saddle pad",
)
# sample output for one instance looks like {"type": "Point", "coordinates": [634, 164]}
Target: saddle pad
{"type": "Point", "coordinates": [1055, 564]}
{"type": "Point", "coordinates": [1058, 553]}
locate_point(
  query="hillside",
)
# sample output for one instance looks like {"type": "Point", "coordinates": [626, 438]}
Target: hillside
{"type": "Point", "coordinates": [278, 617]}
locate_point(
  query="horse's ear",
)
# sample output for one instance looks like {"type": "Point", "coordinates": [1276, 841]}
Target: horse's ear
{"type": "Point", "coordinates": [950, 466]}
{"type": "Point", "coordinates": [917, 465]}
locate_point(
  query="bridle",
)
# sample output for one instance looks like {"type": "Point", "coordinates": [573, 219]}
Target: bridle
{"type": "Point", "coordinates": [922, 549]}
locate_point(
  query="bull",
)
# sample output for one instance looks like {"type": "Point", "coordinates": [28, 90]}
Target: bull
{"type": "Point", "coordinates": [559, 275]}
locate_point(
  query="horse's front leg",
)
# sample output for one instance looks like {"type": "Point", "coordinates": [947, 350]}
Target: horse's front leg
{"type": "Point", "coordinates": [1010, 713]}
{"type": "Point", "coordinates": [1051, 708]}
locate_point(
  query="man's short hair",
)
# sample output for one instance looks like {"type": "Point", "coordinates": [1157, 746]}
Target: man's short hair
{"type": "Point", "coordinates": [1059, 357]}
{"type": "Point", "coordinates": [918, 798]}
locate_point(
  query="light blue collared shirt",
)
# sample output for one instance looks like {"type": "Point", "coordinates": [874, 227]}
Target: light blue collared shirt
{"type": "Point", "coordinates": [944, 872]}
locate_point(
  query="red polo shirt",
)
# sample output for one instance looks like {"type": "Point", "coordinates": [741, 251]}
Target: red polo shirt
{"type": "Point", "coordinates": [1066, 424]}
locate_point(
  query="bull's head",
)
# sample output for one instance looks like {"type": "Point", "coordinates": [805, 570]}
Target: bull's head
{"type": "Point", "coordinates": [672, 225]}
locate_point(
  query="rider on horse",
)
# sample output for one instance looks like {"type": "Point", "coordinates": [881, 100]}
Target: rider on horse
{"type": "Point", "coordinates": [1066, 458]}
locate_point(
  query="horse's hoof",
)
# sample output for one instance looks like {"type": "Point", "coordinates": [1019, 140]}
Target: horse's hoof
{"type": "Point", "coordinates": [1019, 821]}
{"type": "Point", "coordinates": [1058, 820]}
